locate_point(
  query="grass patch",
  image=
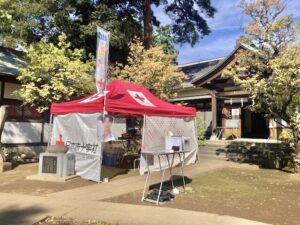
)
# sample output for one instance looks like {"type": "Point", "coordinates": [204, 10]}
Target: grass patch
{"type": "Point", "coordinates": [269, 196]}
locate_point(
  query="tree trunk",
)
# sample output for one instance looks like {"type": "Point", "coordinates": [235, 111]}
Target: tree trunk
{"type": "Point", "coordinates": [148, 27]}
{"type": "Point", "coordinates": [295, 134]}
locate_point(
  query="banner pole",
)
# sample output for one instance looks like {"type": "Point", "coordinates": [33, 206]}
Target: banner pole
{"type": "Point", "coordinates": [104, 100]}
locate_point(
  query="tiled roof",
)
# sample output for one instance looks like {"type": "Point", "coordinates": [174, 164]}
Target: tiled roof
{"type": "Point", "coordinates": [196, 70]}
{"type": "Point", "coordinates": [223, 61]}
{"type": "Point", "coordinates": [10, 61]}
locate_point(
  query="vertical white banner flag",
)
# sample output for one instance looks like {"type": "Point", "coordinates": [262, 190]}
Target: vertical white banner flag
{"type": "Point", "coordinates": [101, 59]}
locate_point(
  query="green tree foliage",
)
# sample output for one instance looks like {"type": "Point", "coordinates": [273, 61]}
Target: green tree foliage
{"type": "Point", "coordinates": [270, 69]}
{"type": "Point", "coordinates": [53, 74]}
{"type": "Point", "coordinates": [200, 131]}
{"type": "Point", "coordinates": [5, 22]}
{"type": "Point", "coordinates": [163, 37]}
{"type": "Point", "coordinates": [188, 23]}
{"type": "Point", "coordinates": [152, 68]}
{"type": "Point", "coordinates": [122, 21]}
{"type": "Point", "coordinates": [34, 20]}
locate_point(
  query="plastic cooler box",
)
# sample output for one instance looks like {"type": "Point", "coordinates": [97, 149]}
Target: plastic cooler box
{"type": "Point", "coordinates": [109, 159]}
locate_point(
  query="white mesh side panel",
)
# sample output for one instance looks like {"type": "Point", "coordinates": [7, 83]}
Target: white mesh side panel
{"type": "Point", "coordinates": [154, 131]}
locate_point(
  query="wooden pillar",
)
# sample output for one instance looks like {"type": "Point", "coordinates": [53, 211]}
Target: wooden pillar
{"type": "Point", "coordinates": [213, 112]}
{"type": "Point", "coordinates": [2, 93]}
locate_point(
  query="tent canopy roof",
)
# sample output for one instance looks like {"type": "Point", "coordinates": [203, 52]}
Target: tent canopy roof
{"type": "Point", "coordinates": [123, 99]}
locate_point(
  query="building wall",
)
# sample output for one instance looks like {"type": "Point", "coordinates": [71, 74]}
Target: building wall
{"type": "Point", "coordinates": [276, 129]}
{"type": "Point", "coordinates": [36, 132]}
{"type": "Point", "coordinates": [9, 88]}
{"type": "Point", "coordinates": [25, 132]}
{"type": "Point", "coordinates": [24, 125]}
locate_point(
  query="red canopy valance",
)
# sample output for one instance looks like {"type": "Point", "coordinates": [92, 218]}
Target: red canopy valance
{"type": "Point", "coordinates": [124, 99]}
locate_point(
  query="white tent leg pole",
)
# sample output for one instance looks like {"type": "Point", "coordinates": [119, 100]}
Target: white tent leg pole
{"type": "Point", "coordinates": [146, 182]}
{"type": "Point", "coordinates": [100, 163]}
{"type": "Point", "coordinates": [101, 149]}
{"type": "Point", "coordinates": [196, 133]}
{"type": "Point", "coordinates": [50, 129]}
{"type": "Point", "coordinates": [143, 140]}
{"type": "Point", "coordinates": [162, 171]}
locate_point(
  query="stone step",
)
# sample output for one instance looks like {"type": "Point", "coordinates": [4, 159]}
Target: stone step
{"type": "Point", "coordinates": [248, 143]}
{"type": "Point", "coordinates": [211, 148]}
{"type": "Point", "coordinates": [218, 142]}
{"type": "Point", "coordinates": [211, 156]}
{"type": "Point", "coordinates": [218, 149]}
{"type": "Point", "coordinates": [212, 151]}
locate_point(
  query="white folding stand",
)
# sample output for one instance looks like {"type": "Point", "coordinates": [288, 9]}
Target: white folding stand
{"type": "Point", "coordinates": [168, 154]}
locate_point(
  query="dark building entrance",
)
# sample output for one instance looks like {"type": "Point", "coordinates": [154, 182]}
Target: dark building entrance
{"type": "Point", "coordinates": [254, 125]}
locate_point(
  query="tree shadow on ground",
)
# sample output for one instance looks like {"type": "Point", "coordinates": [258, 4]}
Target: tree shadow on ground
{"type": "Point", "coordinates": [15, 215]}
{"type": "Point", "coordinates": [113, 172]}
{"type": "Point", "coordinates": [265, 155]}
{"type": "Point", "coordinates": [167, 185]}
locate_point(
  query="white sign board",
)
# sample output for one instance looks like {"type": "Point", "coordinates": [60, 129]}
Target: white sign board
{"type": "Point", "coordinates": [235, 113]}
{"type": "Point", "coordinates": [232, 123]}
{"type": "Point", "coordinates": [173, 141]}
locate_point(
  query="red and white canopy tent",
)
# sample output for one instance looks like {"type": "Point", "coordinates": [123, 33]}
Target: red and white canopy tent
{"type": "Point", "coordinates": [77, 122]}
{"type": "Point", "coordinates": [124, 99]}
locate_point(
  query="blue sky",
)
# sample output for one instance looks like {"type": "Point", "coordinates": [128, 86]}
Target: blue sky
{"type": "Point", "coordinates": [226, 26]}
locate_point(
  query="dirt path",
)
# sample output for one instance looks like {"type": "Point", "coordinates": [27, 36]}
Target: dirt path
{"type": "Point", "coordinates": [25, 210]}
{"type": "Point", "coordinates": [15, 181]}
{"type": "Point", "coordinates": [85, 203]}
{"type": "Point", "coordinates": [133, 183]}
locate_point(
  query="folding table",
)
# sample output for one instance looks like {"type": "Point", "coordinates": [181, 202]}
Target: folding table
{"type": "Point", "coordinates": [170, 155]}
